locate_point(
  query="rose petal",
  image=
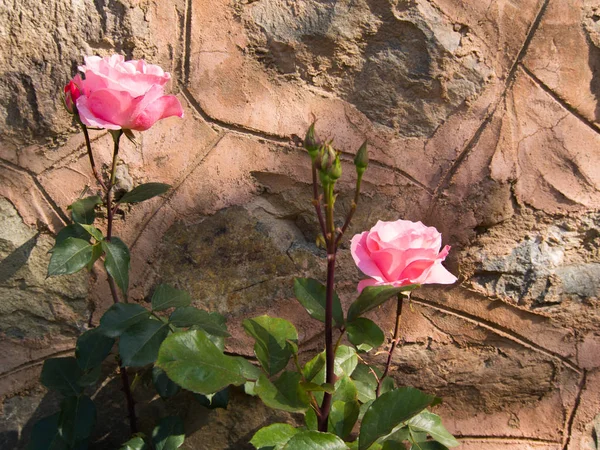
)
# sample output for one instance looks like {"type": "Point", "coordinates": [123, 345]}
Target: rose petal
{"type": "Point", "coordinates": [163, 107]}
{"type": "Point", "coordinates": [439, 275]}
{"type": "Point", "coordinates": [362, 258]}
{"type": "Point", "coordinates": [89, 119]}
{"type": "Point", "coordinates": [364, 283]}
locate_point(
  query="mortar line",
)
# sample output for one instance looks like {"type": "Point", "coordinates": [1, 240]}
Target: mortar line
{"type": "Point", "coordinates": [568, 429]}
{"type": "Point", "coordinates": [488, 118]}
{"type": "Point", "coordinates": [172, 191]}
{"type": "Point", "coordinates": [40, 189]}
{"type": "Point", "coordinates": [229, 126]}
{"type": "Point", "coordinates": [187, 42]}
{"type": "Point", "coordinates": [509, 439]}
{"type": "Point", "coordinates": [495, 328]}
{"type": "Point", "coordinates": [36, 362]}
{"type": "Point", "coordinates": [592, 125]}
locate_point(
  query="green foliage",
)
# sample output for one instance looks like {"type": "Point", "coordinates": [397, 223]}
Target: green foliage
{"type": "Point", "coordinates": [390, 410]}
{"type": "Point", "coordinates": [214, 401]}
{"type": "Point", "coordinates": [144, 192]}
{"type": "Point", "coordinates": [163, 384]}
{"type": "Point", "coordinates": [73, 230]}
{"type": "Point", "coordinates": [69, 256]}
{"type": "Point", "coordinates": [273, 436]}
{"type": "Point", "coordinates": [136, 443]}
{"type": "Point", "coordinates": [92, 348]}
{"type": "Point", "coordinates": [212, 323]}
{"type": "Point", "coordinates": [92, 231]}
{"type": "Point", "coordinates": [373, 296]}
{"type": "Point", "coordinates": [168, 434]}
{"type": "Point", "coordinates": [117, 261]}
{"type": "Point", "coordinates": [314, 440]}
{"type": "Point", "coordinates": [62, 375]}
{"type": "Point", "coordinates": [139, 343]}
{"type": "Point", "coordinates": [432, 425]}
{"type": "Point", "coordinates": [45, 435]}
{"type": "Point", "coordinates": [285, 393]}
{"type": "Point", "coordinates": [77, 419]}
{"type": "Point", "coordinates": [365, 334]}
{"type": "Point", "coordinates": [312, 294]}
{"type": "Point", "coordinates": [121, 316]}
{"type": "Point", "coordinates": [166, 297]}
{"type": "Point", "coordinates": [83, 210]}
{"type": "Point", "coordinates": [195, 363]}
{"type": "Point", "coordinates": [272, 346]}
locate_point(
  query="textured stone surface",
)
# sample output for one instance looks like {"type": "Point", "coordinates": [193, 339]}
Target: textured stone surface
{"type": "Point", "coordinates": [482, 120]}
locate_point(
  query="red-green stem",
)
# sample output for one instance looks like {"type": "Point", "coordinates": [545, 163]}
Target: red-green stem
{"type": "Point", "coordinates": [394, 344]}
{"type": "Point", "coordinates": [316, 201]}
{"type": "Point", "coordinates": [329, 350]}
{"type": "Point", "coordinates": [88, 146]}
{"type": "Point", "coordinates": [111, 282]}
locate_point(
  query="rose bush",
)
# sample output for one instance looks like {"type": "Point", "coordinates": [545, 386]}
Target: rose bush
{"type": "Point", "coordinates": [400, 253]}
{"type": "Point", "coordinates": [117, 94]}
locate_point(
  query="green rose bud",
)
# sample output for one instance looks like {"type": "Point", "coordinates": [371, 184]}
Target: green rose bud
{"type": "Point", "coordinates": [311, 143]}
{"type": "Point", "coordinates": [361, 160]}
{"type": "Point", "coordinates": [335, 171]}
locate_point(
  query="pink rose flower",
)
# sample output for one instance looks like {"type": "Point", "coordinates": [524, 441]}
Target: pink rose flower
{"type": "Point", "coordinates": [400, 253]}
{"type": "Point", "coordinates": [123, 94]}
{"type": "Point", "coordinates": [72, 93]}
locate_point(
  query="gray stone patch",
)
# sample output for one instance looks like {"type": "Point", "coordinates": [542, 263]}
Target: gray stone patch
{"type": "Point", "coordinates": [404, 66]}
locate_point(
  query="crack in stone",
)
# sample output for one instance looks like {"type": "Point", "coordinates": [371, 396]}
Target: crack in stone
{"type": "Point", "coordinates": [499, 330]}
{"type": "Point", "coordinates": [571, 418]}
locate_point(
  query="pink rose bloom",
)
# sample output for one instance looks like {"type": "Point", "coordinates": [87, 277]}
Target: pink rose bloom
{"type": "Point", "coordinates": [400, 253]}
{"type": "Point", "coordinates": [123, 94]}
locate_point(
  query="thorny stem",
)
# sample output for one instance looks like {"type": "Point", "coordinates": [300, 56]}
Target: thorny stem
{"type": "Point", "coordinates": [316, 201]}
{"type": "Point", "coordinates": [88, 145]}
{"type": "Point", "coordinates": [111, 282]}
{"type": "Point", "coordinates": [329, 351]}
{"type": "Point", "coordinates": [393, 347]}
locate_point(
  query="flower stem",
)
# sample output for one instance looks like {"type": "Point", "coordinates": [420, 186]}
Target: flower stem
{"type": "Point", "coordinates": [88, 145]}
{"type": "Point", "coordinates": [393, 347]}
{"type": "Point", "coordinates": [111, 282]}
{"type": "Point", "coordinates": [351, 212]}
{"type": "Point", "coordinates": [329, 350]}
{"type": "Point", "coordinates": [316, 201]}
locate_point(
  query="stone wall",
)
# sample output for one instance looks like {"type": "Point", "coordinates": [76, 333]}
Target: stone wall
{"type": "Point", "coordinates": [483, 119]}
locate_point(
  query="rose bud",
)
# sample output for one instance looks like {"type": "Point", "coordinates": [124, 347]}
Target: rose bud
{"type": "Point", "coordinates": [361, 160]}
{"type": "Point", "coordinates": [311, 143]}
{"type": "Point", "coordinates": [72, 93]}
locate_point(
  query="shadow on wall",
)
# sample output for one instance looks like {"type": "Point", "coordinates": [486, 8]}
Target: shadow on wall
{"type": "Point", "coordinates": [592, 32]}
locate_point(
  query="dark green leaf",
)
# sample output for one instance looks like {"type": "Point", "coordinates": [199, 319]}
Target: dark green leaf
{"type": "Point", "coordinates": [373, 296]}
{"type": "Point", "coordinates": [432, 425]}
{"type": "Point", "coordinates": [312, 295]}
{"type": "Point", "coordinates": [136, 443]}
{"type": "Point", "coordinates": [90, 377]}
{"type": "Point", "coordinates": [345, 361]}
{"type": "Point", "coordinates": [273, 435]}
{"type": "Point", "coordinates": [212, 323]}
{"type": "Point", "coordinates": [77, 418]}
{"type": "Point", "coordinates": [311, 420]}
{"type": "Point", "coordinates": [365, 382]}
{"type": "Point", "coordinates": [96, 254]}
{"type": "Point", "coordinates": [73, 230]}
{"type": "Point", "coordinates": [92, 348]}
{"type": "Point", "coordinates": [285, 393]}
{"type": "Point", "coordinates": [70, 256]}
{"type": "Point", "coordinates": [314, 440]}
{"type": "Point", "coordinates": [389, 411]}
{"type": "Point", "coordinates": [214, 401]}
{"type": "Point", "coordinates": [314, 367]}
{"type": "Point", "coordinates": [192, 361]}
{"type": "Point", "coordinates": [393, 445]}
{"type": "Point", "coordinates": [164, 386]}
{"type": "Point", "coordinates": [139, 343]}
{"type": "Point", "coordinates": [144, 192]}
{"type": "Point", "coordinates": [121, 316]}
{"type": "Point", "coordinates": [62, 375]}
{"type": "Point", "coordinates": [83, 210]}
{"type": "Point", "coordinates": [271, 335]}
{"type": "Point", "coordinates": [117, 261]}
{"type": "Point", "coordinates": [313, 387]}
{"type": "Point", "coordinates": [166, 297]}
{"type": "Point", "coordinates": [365, 334]}
{"type": "Point", "coordinates": [342, 417]}
{"type": "Point", "coordinates": [46, 436]}
{"type": "Point", "coordinates": [168, 434]}
{"type": "Point", "coordinates": [93, 231]}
